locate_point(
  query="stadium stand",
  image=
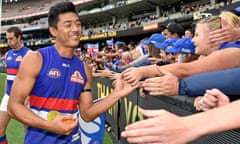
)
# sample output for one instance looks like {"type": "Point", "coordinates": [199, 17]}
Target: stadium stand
{"type": "Point", "coordinates": [30, 8]}
{"type": "Point", "coordinates": [131, 13]}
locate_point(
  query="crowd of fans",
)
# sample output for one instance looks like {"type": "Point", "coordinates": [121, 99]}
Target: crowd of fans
{"type": "Point", "coordinates": [176, 62]}
{"type": "Point", "coordinates": [153, 50]}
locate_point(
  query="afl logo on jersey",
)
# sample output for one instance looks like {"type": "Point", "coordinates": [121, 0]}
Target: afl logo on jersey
{"type": "Point", "coordinates": [54, 73]}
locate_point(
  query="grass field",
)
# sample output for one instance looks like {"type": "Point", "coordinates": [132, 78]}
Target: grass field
{"type": "Point", "coordinates": [15, 132]}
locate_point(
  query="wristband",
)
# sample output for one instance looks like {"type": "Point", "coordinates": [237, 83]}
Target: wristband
{"type": "Point", "coordinates": [86, 90]}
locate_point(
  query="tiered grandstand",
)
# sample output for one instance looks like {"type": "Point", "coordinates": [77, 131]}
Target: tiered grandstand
{"type": "Point", "coordinates": [30, 8]}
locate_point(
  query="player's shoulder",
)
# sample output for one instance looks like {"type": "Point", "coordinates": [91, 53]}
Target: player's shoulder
{"type": "Point", "coordinates": [33, 55]}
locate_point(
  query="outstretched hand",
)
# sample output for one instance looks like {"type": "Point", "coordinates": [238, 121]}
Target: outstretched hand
{"type": "Point", "coordinates": [105, 73]}
{"type": "Point", "coordinates": [132, 76]}
{"type": "Point", "coordinates": [122, 87]}
{"type": "Point", "coordinates": [226, 34]}
{"type": "Point", "coordinates": [164, 85]}
{"type": "Point", "coordinates": [160, 127]}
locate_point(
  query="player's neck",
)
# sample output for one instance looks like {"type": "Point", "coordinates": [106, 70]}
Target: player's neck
{"type": "Point", "coordinates": [18, 47]}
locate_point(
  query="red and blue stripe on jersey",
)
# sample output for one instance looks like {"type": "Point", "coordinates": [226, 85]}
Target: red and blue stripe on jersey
{"type": "Point", "coordinates": [13, 60]}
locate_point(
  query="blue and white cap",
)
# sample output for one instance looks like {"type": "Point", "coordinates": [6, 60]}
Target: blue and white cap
{"type": "Point", "coordinates": [168, 43]}
{"type": "Point", "coordinates": [154, 38]}
{"type": "Point", "coordinates": [183, 45]}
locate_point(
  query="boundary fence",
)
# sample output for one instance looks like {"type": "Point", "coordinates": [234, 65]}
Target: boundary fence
{"type": "Point", "coordinates": [125, 111]}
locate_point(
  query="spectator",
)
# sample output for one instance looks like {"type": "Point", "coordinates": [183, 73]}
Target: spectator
{"type": "Point", "coordinates": [183, 50]}
{"type": "Point", "coordinates": [118, 49]}
{"type": "Point", "coordinates": [188, 33]}
{"type": "Point", "coordinates": [166, 58]}
{"type": "Point", "coordinates": [173, 30]}
{"type": "Point", "coordinates": [150, 50]}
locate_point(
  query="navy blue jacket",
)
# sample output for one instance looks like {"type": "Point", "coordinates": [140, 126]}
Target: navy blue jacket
{"type": "Point", "coordinates": [225, 80]}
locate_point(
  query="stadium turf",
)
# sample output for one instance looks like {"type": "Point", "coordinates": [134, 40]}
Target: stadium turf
{"type": "Point", "coordinates": [15, 131]}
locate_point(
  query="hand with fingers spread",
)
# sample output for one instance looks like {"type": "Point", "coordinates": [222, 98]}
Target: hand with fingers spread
{"type": "Point", "coordinates": [226, 34]}
{"type": "Point", "coordinates": [132, 75]}
{"type": "Point", "coordinates": [160, 127]}
{"type": "Point", "coordinates": [211, 99]}
{"type": "Point", "coordinates": [122, 87]}
{"type": "Point", "coordinates": [164, 85]}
